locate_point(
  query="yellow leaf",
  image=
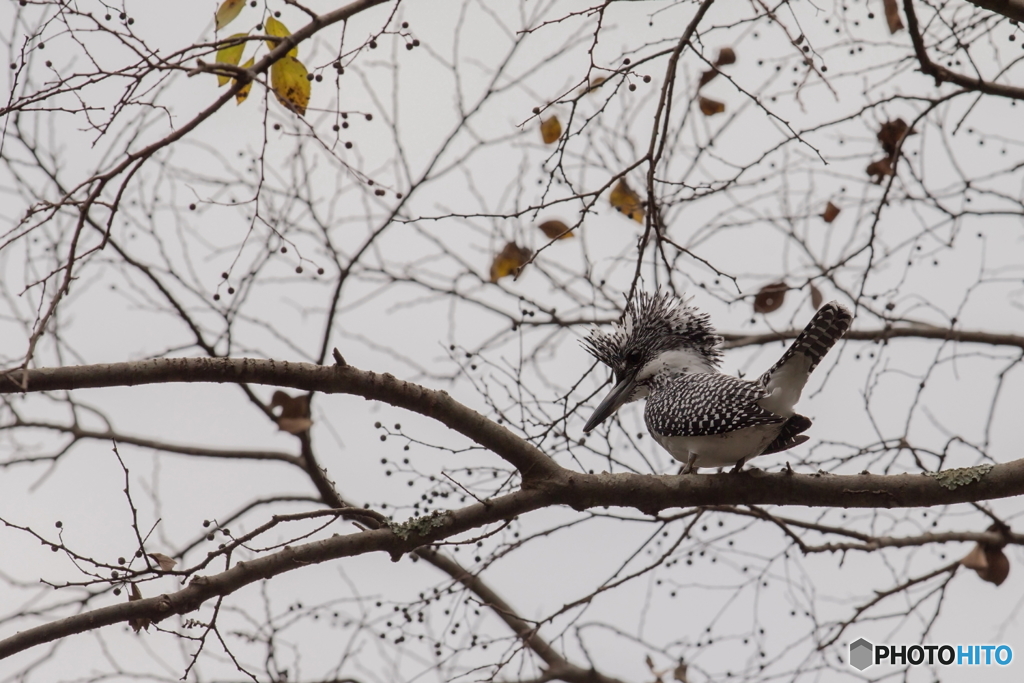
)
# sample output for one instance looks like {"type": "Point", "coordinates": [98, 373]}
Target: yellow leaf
{"type": "Point", "coordinates": [243, 92]}
{"type": "Point", "coordinates": [290, 81]}
{"type": "Point", "coordinates": [627, 201]}
{"type": "Point", "coordinates": [555, 230]}
{"type": "Point", "coordinates": [509, 261]}
{"type": "Point", "coordinates": [710, 107]}
{"type": "Point", "coordinates": [274, 27]}
{"type": "Point", "coordinates": [592, 85]}
{"type": "Point", "coordinates": [551, 130]}
{"type": "Point", "coordinates": [230, 54]}
{"type": "Point", "coordinates": [227, 12]}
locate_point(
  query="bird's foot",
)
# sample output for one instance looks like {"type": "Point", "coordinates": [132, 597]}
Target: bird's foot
{"type": "Point", "coordinates": [738, 467]}
{"type": "Point", "coordinates": [688, 467]}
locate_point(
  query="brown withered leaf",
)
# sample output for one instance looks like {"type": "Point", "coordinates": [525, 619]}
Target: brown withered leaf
{"type": "Point", "coordinates": [879, 169]}
{"type": "Point", "coordinates": [551, 130]}
{"type": "Point", "coordinates": [892, 132]}
{"type": "Point", "coordinates": [989, 562]}
{"type": "Point", "coordinates": [141, 623]}
{"type": "Point", "coordinates": [295, 416]}
{"type": "Point", "coordinates": [770, 297]}
{"type": "Point", "coordinates": [706, 77]}
{"type": "Point", "coordinates": [165, 563]}
{"type": "Point", "coordinates": [726, 55]}
{"type": "Point", "coordinates": [892, 16]}
{"type": "Point", "coordinates": [816, 298]}
{"type": "Point", "coordinates": [509, 261]}
{"type": "Point", "coordinates": [556, 230]}
{"type": "Point", "coordinates": [680, 672]}
{"type": "Point", "coordinates": [628, 202]}
{"type": "Point", "coordinates": [830, 212]}
{"type": "Point", "coordinates": [710, 107]}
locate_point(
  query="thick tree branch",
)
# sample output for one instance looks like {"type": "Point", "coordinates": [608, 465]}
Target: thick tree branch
{"type": "Point", "coordinates": [1012, 9]}
{"type": "Point", "coordinates": [733, 341]}
{"type": "Point", "coordinates": [646, 493]}
{"type": "Point", "coordinates": [530, 461]}
{"type": "Point", "coordinates": [941, 74]}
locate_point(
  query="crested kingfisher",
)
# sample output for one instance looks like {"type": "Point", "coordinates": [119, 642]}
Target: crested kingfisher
{"type": "Point", "coordinates": [667, 351]}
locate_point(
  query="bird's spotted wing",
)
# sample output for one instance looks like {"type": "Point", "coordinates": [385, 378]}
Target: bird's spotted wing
{"type": "Point", "coordinates": [702, 404]}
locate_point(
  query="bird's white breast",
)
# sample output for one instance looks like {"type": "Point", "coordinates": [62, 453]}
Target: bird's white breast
{"type": "Point", "coordinates": [720, 450]}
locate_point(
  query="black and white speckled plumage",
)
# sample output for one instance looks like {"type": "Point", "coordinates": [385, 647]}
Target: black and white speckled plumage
{"type": "Point", "coordinates": [667, 351]}
{"type": "Point", "coordinates": [827, 327]}
{"type": "Point", "coordinates": [701, 404]}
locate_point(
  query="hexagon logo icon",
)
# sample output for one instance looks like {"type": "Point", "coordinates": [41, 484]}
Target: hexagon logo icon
{"type": "Point", "coordinates": [861, 654]}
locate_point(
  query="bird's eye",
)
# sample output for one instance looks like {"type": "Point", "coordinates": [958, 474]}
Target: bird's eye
{"type": "Point", "coordinates": [633, 357]}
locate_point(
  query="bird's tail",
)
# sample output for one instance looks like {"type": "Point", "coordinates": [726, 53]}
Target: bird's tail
{"type": "Point", "coordinates": [790, 373]}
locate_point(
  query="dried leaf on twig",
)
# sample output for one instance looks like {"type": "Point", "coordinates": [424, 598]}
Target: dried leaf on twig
{"type": "Point", "coordinates": [830, 212]}
{"type": "Point", "coordinates": [627, 201]}
{"type": "Point", "coordinates": [509, 261]}
{"type": "Point", "coordinates": [710, 107]}
{"type": "Point", "coordinates": [726, 56]}
{"type": "Point", "coordinates": [770, 297]}
{"type": "Point", "coordinates": [892, 16]}
{"type": "Point", "coordinates": [556, 230]}
{"type": "Point", "coordinates": [140, 623]}
{"type": "Point", "coordinates": [816, 298]}
{"type": "Point", "coordinates": [295, 416]}
{"type": "Point", "coordinates": [988, 560]}
{"type": "Point", "coordinates": [879, 169]}
{"type": "Point", "coordinates": [892, 132]}
{"type": "Point", "coordinates": [551, 130]}
{"type": "Point", "coordinates": [165, 563]}
{"type": "Point", "coordinates": [592, 85]}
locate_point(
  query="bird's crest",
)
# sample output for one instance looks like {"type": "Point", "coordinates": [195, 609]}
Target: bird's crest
{"type": "Point", "coordinates": [653, 323]}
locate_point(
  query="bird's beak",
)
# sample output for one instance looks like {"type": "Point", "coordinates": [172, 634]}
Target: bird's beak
{"type": "Point", "coordinates": [615, 398]}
